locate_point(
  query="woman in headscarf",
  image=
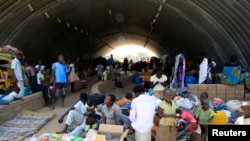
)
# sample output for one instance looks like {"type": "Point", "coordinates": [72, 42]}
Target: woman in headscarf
{"type": "Point", "coordinates": [179, 71]}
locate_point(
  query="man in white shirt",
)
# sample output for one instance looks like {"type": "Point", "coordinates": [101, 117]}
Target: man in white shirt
{"type": "Point", "coordinates": [142, 113]}
{"type": "Point", "coordinates": [159, 83]}
{"type": "Point", "coordinates": [16, 68]}
{"type": "Point", "coordinates": [76, 115]}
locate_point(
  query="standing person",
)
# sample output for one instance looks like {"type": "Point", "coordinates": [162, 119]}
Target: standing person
{"type": "Point", "coordinates": [125, 65]}
{"type": "Point", "coordinates": [211, 66]}
{"type": "Point", "coordinates": [167, 114]}
{"type": "Point", "coordinates": [110, 110]}
{"type": "Point", "coordinates": [45, 87]}
{"type": "Point", "coordinates": [31, 77]}
{"type": "Point", "coordinates": [204, 115]}
{"type": "Point", "coordinates": [75, 114]}
{"type": "Point", "coordinates": [142, 113]}
{"type": "Point", "coordinates": [72, 76]}
{"type": "Point", "coordinates": [39, 68]}
{"type": "Point", "coordinates": [167, 68]}
{"type": "Point", "coordinates": [111, 67]}
{"type": "Point", "coordinates": [245, 111]}
{"type": "Point", "coordinates": [16, 68]}
{"type": "Point", "coordinates": [203, 68]}
{"type": "Point", "coordinates": [99, 68]}
{"type": "Point", "coordinates": [60, 79]}
{"type": "Point", "coordinates": [159, 83]}
{"type": "Point", "coordinates": [179, 71]}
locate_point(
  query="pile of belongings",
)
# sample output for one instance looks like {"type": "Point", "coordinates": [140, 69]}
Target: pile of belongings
{"type": "Point", "coordinates": [10, 49]}
{"type": "Point", "coordinates": [54, 137]}
{"type": "Point", "coordinates": [230, 108]}
{"type": "Point", "coordinates": [186, 100]}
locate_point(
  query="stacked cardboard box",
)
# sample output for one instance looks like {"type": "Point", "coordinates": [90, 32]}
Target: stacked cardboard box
{"type": "Point", "coordinates": [225, 92]}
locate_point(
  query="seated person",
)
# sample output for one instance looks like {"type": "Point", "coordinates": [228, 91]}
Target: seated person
{"type": "Point", "coordinates": [6, 99]}
{"type": "Point", "coordinates": [93, 117]}
{"type": "Point", "coordinates": [127, 99]}
{"type": "Point", "coordinates": [118, 83]}
{"type": "Point", "coordinates": [77, 115]}
{"type": "Point", "coordinates": [191, 125]}
{"type": "Point", "coordinates": [110, 110]}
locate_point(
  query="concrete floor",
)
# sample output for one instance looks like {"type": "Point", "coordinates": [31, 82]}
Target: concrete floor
{"type": "Point", "coordinates": [70, 100]}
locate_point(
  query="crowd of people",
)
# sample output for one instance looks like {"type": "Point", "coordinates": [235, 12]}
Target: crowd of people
{"type": "Point", "coordinates": [136, 112]}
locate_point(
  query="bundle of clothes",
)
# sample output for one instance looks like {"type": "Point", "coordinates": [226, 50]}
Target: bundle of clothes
{"type": "Point", "coordinates": [189, 102]}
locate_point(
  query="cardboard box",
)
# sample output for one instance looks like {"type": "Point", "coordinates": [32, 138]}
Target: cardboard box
{"type": "Point", "coordinates": [203, 87]}
{"type": "Point", "coordinates": [230, 96]}
{"type": "Point", "coordinates": [230, 91]}
{"type": "Point", "coordinates": [212, 92]}
{"type": "Point", "coordinates": [221, 92]}
{"type": "Point", "coordinates": [114, 130]}
{"type": "Point", "coordinates": [199, 92]}
{"type": "Point", "coordinates": [239, 87]}
{"type": "Point", "coordinates": [192, 86]}
{"type": "Point", "coordinates": [239, 91]}
{"type": "Point", "coordinates": [230, 87]}
{"type": "Point", "coordinates": [221, 96]}
{"type": "Point", "coordinates": [221, 87]}
{"type": "Point", "coordinates": [211, 96]}
{"type": "Point", "coordinates": [195, 92]}
{"type": "Point", "coordinates": [212, 86]}
{"type": "Point", "coordinates": [239, 96]}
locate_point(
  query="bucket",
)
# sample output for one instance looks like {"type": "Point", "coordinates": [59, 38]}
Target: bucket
{"type": "Point", "coordinates": [137, 80]}
{"type": "Point", "coordinates": [26, 91]}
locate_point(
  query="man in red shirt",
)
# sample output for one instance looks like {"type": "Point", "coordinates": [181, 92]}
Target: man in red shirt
{"type": "Point", "coordinates": [191, 122]}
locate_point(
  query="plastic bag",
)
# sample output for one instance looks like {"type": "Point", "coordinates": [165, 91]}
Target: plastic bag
{"type": "Point", "coordinates": [233, 105]}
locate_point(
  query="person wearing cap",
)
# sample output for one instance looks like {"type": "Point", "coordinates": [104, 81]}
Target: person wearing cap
{"type": "Point", "coordinates": [245, 112]}
{"type": "Point", "coordinates": [18, 73]}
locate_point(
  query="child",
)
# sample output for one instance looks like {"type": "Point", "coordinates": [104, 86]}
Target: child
{"type": "Point", "coordinates": [92, 118]}
{"type": "Point", "coordinates": [204, 115]}
{"type": "Point", "coordinates": [104, 75]}
{"type": "Point", "coordinates": [203, 96]}
{"type": "Point", "coordinates": [245, 112]}
{"type": "Point", "coordinates": [125, 100]}
{"type": "Point", "coordinates": [167, 109]}
{"type": "Point", "coordinates": [45, 87]}
{"type": "Point", "coordinates": [6, 99]}
{"type": "Point", "coordinates": [194, 137]}
{"type": "Point", "coordinates": [191, 122]}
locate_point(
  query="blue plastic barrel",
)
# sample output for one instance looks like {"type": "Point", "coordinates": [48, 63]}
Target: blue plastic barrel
{"type": "Point", "coordinates": [137, 80]}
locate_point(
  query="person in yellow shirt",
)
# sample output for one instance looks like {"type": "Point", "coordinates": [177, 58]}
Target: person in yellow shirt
{"type": "Point", "coordinates": [167, 113]}
{"type": "Point", "coordinates": [126, 99]}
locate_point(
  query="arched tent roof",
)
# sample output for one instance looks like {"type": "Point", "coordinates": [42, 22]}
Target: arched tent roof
{"type": "Point", "coordinates": [74, 27]}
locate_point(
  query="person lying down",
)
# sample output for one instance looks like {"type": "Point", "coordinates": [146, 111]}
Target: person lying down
{"type": "Point", "coordinates": [7, 99]}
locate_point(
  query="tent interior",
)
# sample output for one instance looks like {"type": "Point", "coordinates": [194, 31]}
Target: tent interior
{"type": "Point", "coordinates": [44, 29]}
